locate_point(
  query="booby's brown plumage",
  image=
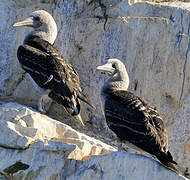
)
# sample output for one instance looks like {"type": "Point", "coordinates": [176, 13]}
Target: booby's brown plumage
{"type": "Point", "coordinates": [130, 118]}
{"type": "Point", "coordinates": [47, 66]}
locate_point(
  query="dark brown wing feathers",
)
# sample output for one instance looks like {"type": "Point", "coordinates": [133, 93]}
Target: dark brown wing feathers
{"type": "Point", "coordinates": [133, 120]}
{"type": "Point", "coordinates": [49, 70]}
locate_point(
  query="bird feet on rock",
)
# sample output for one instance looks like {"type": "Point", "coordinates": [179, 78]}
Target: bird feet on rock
{"type": "Point", "coordinates": [44, 103]}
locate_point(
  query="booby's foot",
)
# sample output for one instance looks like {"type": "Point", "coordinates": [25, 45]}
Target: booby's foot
{"type": "Point", "coordinates": [78, 118]}
{"type": "Point", "coordinates": [44, 103]}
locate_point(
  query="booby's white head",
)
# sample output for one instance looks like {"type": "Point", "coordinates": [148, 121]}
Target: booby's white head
{"type": "Point", "coordinates": [118, 78]}
{"type": "Point", "coordinates": [43, 24]}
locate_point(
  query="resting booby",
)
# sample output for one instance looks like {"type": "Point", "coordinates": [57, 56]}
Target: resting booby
{"type": "Point", "coordinates": [47, 66]}
{"type": "Point", "coordinates": [130, 118]}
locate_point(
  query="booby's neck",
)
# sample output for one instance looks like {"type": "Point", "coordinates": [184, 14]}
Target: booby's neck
{"type": "Point", "coordinates": [119, 81]}
{"type": "Point", "coordinates": [48, 33]}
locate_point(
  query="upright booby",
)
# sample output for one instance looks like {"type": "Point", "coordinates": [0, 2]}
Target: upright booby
{"type": "Point", "coordinates": [47, 66]}
{"type": "Point", "coordinates": [130, 118]}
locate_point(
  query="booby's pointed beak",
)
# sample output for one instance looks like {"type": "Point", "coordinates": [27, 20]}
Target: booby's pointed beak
{"type": "Point", "coordinates": [27, 22]}
{"type": "Point", "coordinates": [106, 68]}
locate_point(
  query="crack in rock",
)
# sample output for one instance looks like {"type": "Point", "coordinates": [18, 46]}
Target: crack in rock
{"type": "Point", "coordinates": [15, 168]}
{"type": "Point", "coordinates": [184, 68]}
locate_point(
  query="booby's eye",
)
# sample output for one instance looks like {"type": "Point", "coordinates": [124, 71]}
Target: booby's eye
{"type": "Point", "coordinates": [36, 18]}
{"type": "Point", "coordinates": [113, 66]}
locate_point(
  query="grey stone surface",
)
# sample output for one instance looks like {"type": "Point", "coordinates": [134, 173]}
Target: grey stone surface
{"type": "Point", "coordinates": [36, 147]}
{"type": "Point", "coordinates": [122, 166]}
{"type": "Point", "coordinates": [22, 127]}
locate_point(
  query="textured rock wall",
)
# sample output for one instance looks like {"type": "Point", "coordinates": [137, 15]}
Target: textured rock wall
{"type": "Point", "coordinates": [40, 143]}
{"type": "Point", "coordinates": [35, 147]}
{"type": "Point", "coordinates": [152, 40]}
{"type": "Point", "coordinates": [128, 166]}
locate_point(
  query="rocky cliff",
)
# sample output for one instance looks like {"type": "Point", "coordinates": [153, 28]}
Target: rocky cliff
{"type": "Point", "coordinates": [151, 39]}
{"type": "Point", "coordinates": [33, 146]}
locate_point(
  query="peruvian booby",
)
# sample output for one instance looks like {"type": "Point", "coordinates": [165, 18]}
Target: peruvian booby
{"type": "Point", "coordinates": [47, 67]}
{"type": "Point", "coordinates": [130, 118]}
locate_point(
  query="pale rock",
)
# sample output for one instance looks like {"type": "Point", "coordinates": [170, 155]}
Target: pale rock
{"type": "Point", "coordinates": [36, 147]}
{"type": "Point", "coordinates": [41, 143]}
{"type": "Point", "coordinates": [22, 127]}
{"type": "Point", "coordinates": [121, 166]}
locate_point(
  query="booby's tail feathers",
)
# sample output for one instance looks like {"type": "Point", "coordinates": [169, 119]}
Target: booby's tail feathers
{"type": "Point", "coordinates": [82, 97]}
{"type": "Point", "coordinates": [174, 167]}
{"type": "Point", "coordinates": [167, 160]}
{"type": "Point", "coordinates": [71, 105]}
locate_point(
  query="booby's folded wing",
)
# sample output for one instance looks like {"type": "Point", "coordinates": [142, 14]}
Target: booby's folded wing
{"type": "Point", "coordinates": [72, 76]}
{"type": "Point", "coordinates": [130, 120]}
{"type": "Point", "coordinates": [157, 122]}
{"type": "Point", "coordinates": [48, 71]}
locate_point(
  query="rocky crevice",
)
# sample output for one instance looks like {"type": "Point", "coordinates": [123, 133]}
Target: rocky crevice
{"type": "Point", "coordinates": [185, 62]}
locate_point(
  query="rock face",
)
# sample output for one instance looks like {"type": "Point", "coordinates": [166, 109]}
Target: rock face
{"type": "Point", "coordinates": [22, 128]}
{"type": "Point", "coordinates": [122, 166]}
{"type": "Point", "coordinates": [33, 146]}
{"type": "Point", "coordinates": [151, 39]}
{"type": "Point", "coordinates": [41, 143]}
